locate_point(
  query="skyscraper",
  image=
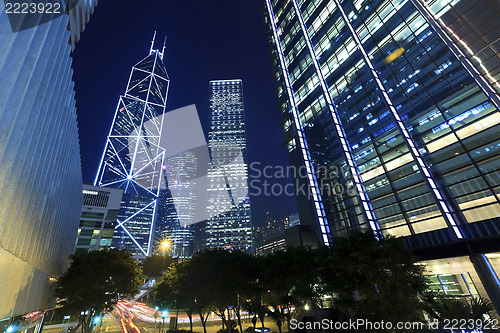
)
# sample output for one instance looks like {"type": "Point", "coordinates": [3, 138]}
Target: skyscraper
{"type": "Point", "coordinates": [40, 169]}
{"type": "Point", "coordinates": [178, 212]}
{"type": "Point", "coordinates": [133, 159]}
{"type": "Point", "coordinates": [396, 128]}
{"type": "Point", "coordinates": [98, 218]}
{"type": "Point", "coordinates": [229, 224]}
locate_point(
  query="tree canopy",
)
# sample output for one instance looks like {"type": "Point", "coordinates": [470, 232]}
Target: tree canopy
{"type": "Point", "coordinates": [155, 265]}
{"type": "Point", "coordinates": [95, 281]}
{"type": "Point", "coordinates": [360, 276]}
{"type": "Point", "coordinates": [376, 279]}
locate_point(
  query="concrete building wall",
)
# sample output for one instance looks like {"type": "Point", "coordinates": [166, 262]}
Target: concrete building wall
{"type": "Point", "coordinates": [40, 171]}
{"type": "Point", "coordinates": [79, 15]}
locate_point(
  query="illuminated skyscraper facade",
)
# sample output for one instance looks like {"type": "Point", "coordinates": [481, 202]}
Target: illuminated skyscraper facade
{"type": "Point", "coordinates": [133, 158]}
{"type": "Point", "coordinates": [396, 127]}
{"type": "Point", "coordinates": [98, 219]}
{"type": "Point", "coordinates": [178, 213]}
{"type": "Point", "coordinates": [228, 226]}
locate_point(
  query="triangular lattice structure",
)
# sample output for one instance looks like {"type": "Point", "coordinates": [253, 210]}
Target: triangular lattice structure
{"type": "Point", "coordinates": [133, 158]}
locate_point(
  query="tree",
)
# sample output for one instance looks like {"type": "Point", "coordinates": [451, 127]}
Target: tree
{"type": "Point", "coordinates": [211, 280]}
{"type": "Point", "coordinates": [441, 307]}
{"type": "Point", "coordinates": [186, 285]}
{"type": "Point", "coordinates": [176, 290]}
{"type": "Point", "coordinates": [376, 279]}
{"type": "Point", "coordinates": [277, 316]}
{"type": "Point", "coordinates": [155, 265]}
{"type": "Point", "coordinates": [231, 275]}
{"type": "Point", "coordinates": [95, 281]}
{"type": "Point", "coordinates": [292, 277]}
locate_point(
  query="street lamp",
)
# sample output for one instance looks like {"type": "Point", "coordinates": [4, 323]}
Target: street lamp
{"type": "Point", "coordinates": [165, 245]}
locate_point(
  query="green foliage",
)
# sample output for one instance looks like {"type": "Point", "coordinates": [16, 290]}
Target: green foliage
{"type": "Point", "coordinates": [294, 274]}
{"type": "Point", "coordinates": [369, 278]}
{"type": "Point", "coordinates": [95, 280]}
{"type": "Point", "coordinates": [377, 279]}
{"type": "Point", "coordinates": [155, 265]}
{"type": "Point", "coordinates": [441, 307]}
{"type": "Point", "coordinates": [212, 280]}
{"type": "Point", "coordinates": [480, 306]}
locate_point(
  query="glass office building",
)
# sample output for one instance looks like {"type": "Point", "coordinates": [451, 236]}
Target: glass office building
{"type": "Point", "coordinates": [228, 226]}
{"type": "Point", "coordinates": [395, 121]}
{"type": "Point", "coordinates": [98, 218]}
{"type": "Point", "coordinates": [133, 158]}
{"type": "Point", "coordinates": [177, 211]}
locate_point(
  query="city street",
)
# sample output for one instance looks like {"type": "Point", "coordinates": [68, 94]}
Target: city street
{"type": "Point", "coordinates": [129, 317]}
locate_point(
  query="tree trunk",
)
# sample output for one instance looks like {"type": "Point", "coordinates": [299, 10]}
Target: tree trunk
{"type": "Point", "coordinates": [238, 315]}
{"type": "Point", "coordinates": [222, 316]}
{"type": "Point", "coordinates": [77, 325]}
{"type": "Point", "coordinates": [318, 317]}
{"type": "Point", "coordinates": [190, 316]}
{"type": "Point", "coordinates": [288, 317]}
{"type": "Point", "coordinates": [229, 324]}
{"type": "Point", "coordinates": [86, 325]}
{"type": "Point", "coordinates": [204, 324]}
{"type": "Point", "coordinates": [203, 320]}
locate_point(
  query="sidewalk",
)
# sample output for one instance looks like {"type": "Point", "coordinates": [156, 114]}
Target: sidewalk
{"type": "Point", "coordinates": [214, 326]}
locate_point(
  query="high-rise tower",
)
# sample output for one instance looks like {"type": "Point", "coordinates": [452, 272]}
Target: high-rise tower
{"type": "Point", "coordinates": [395, 125]}
{"type": "Point", "coordinates": [178, 204]}
{"type": "Point", "coordinates": [40, 166]}
{"type": "Point", "coordinates": [133, 158]}
{"type": "Point", "coordinates": [229, 224]}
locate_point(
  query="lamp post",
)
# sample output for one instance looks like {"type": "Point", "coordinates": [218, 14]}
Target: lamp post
{"type": "Point", "coordinates": [155, 315]}
{"type": "Point", "coordinates": [98, 323]}
{"type": "Point", "coordinates": [84, 314]}
{"type": "Point", "coordinates": [163, 315]}
{"type": "Point", "coordinates": [176, 314]}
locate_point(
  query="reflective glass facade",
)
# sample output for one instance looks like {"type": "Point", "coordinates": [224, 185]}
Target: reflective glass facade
{"type": "Point", "coordinates": [229, 224]}
{"type": "Point", "coordinates": [397, 130]}
{"type": "Point", "coordinates": [133, 158]}
{"type": "Point", "coordinates": [177, 212]}
{"type": "Point", "coordinates": [474, 27]}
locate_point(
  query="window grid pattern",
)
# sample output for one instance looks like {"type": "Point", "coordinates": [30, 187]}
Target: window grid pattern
{"type": "Point", "coordinates": [368, 211]}
{"type": "Point", "coordinates": [300, 136]}
{"type": "Point", "coordinates": [450, 121]}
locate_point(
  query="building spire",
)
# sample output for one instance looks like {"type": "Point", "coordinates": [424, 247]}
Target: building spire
{"type": "Point", "coordinates": [153, 50]}
{"type": "Point", "coordinates": [163, 49]}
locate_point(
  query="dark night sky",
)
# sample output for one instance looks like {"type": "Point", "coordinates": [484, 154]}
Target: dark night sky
{"type": "Point", "coordinates": [207, 40]}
